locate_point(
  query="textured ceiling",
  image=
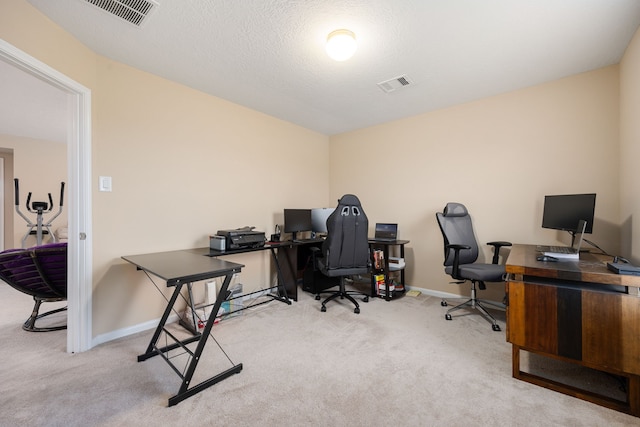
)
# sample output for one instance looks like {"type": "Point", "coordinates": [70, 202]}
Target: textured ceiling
{"type": "Point", "coordinates": [269, 54]}
{"type": "Point", "coordinates": [31, 108]}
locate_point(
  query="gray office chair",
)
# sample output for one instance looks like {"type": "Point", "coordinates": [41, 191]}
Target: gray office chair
{"type": "Point", "coordinates": [460, 256]}
{"type": "Point", "coordinates": [345, 251]}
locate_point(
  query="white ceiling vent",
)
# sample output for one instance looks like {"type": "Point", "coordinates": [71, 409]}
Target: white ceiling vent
{"type": "Point", "coordinates": [395, 83]}
{"type": "Point", "coordinates": [132, 11]}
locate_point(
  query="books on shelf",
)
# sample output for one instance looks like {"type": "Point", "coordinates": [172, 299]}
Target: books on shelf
{"type": "Point", "coordinates": [382, 289]}
{"type": "Point", "coordinates": [381, 286]}
{"type": "Point", "coordinates": [379, 280]}
{"type": "Point", "coordinates": [378, 259]}
{"type": "Point", "coordinates": [396, 263]}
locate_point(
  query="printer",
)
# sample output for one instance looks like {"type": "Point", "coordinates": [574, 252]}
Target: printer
{"type": "Point", "coordinates": [239, 238]}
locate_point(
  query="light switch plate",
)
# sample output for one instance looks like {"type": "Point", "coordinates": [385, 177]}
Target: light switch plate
{"type": "Point", "coordinates": [105, 183]}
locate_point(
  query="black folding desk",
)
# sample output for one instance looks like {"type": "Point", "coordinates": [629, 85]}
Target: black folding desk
{"type": "Point", "coordinates": [178, 268]}
{"type": "Point", "coordinates": [282, 294]}
{"type": "Point", "coordinates": [285, 256]}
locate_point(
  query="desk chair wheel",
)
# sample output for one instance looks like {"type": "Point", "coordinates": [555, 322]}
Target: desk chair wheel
{"type": "Point", "coordinates": [356, 310]}
{"type": "Point", "coordinates": [365, 299]}
{"type": "Point", "coordinates": [447, 316]}
{"type": "Point", "coordinates": [323, 309]}
{"type": "Point", "coordinates": [443, 303]}
{"type": "Point", "coordinates": [318, 297]}
{"type": "Point", "coordinates": [495, 328]}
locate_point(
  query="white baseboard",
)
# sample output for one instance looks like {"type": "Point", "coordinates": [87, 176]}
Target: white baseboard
{"type": "Point", "coordinates": [124, 332]}
{"type": "Point", "coordinates": [150, 324]}
{"type": "Point", "coordinates": [433, 293]}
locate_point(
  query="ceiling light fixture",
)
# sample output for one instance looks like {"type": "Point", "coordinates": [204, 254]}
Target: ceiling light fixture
{"type": "Point", "coordinates": [341, 45]}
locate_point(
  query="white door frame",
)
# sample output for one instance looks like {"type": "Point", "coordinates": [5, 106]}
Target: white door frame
{"type": "Point", "coordinates": [79, 276]}
{"type": "Point", "coordinates": [2, 196]}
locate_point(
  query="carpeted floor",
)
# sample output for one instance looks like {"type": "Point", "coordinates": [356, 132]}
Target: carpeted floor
{"type": "Point", "coordinates": [396, 363]}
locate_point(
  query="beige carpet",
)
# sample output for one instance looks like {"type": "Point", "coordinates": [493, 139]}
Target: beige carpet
{"type": "Point", "coordinates": [396, 363]}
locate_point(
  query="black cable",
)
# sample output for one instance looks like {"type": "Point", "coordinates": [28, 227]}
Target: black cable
{"type": "Point", "coordinates": [616, 258]}
{"type": "Point", "coordinates": [597, 247]}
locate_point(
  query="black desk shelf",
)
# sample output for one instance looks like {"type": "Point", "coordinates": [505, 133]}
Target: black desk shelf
{"type": "Point", "coordinates": [385, 269]}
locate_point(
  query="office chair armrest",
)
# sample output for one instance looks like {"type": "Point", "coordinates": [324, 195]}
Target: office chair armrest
{"type": "Point", "coordinates": [456, 259]}
{"type": "Point", "coordinates": [496, 249]}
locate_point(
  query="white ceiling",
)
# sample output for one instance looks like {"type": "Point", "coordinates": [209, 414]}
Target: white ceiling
{"type": "Point", "coordinates": [30, 107]}
{"type": "Point", "coordinates": [269, 54]}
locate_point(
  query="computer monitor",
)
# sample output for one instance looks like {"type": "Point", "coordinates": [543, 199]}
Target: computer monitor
{"type": "Point", "coordinates": [297, 220]}
{"type": "Point", "coordinates": [319, 219]}
{"type": "Point", "coordinates": [563, 212]}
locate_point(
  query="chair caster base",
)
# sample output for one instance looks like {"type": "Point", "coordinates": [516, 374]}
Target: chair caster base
{"type": "Point", "coordinates": [323, 309]}
{"type": "Point", "coordinates": [495, 328]}
{"type": "Point", "coordinates": [356, 310]}
{"type": "Point", "coordinates": [443, 303]}
{"type": "Point", "coordinates": [447, 316]}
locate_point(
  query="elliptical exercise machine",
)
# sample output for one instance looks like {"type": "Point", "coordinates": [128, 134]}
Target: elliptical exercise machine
{"type": "Point", "coordinates": [39, 208]}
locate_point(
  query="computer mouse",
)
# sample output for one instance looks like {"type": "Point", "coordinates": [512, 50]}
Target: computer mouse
{"type": "Point", "coordinates": [547, 258]}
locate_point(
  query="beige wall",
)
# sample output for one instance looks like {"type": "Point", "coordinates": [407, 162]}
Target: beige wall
{"type": "Point", "coordinates": [184, 165]}
{"type": "Point", "coordinates": [499, 156]}
{"type": "Point", "coordinates": [630, 150]}
{"type": "Point", "coordinates": [40, 167]}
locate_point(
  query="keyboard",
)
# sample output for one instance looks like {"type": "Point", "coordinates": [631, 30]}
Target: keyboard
{"type": "Point", "coordinates": [311, 240]}
{"type": "Point", "coordinates": [556, 249]}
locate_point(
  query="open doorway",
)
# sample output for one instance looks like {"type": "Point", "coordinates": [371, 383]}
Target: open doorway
{"type": "Point", "coordinates": [79, 299]}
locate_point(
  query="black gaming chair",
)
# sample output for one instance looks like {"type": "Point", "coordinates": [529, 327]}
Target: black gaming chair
{"type": "Point", "coordinates": [460, 255]}
{"type": "Point", "coordinates": [345, 251]}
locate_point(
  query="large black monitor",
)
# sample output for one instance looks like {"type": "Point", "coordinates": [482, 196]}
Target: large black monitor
{"type": "Point", "coordinates": [297, 220]}
{"type": "Point", "coordinates": [319, 219]}
{"type": "Point", "coordinates": [563, 212]}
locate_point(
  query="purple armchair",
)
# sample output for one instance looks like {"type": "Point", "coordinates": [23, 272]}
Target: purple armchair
{"type": "Point", "coordinates": [40, 271]}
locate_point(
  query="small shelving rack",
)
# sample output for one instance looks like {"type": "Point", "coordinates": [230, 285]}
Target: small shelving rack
{"type": "Point", "coordinates": [387, 277]}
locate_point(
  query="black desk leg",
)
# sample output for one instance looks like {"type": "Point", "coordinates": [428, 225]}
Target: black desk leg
{"type": "Point", "coordinates": [163, 320]}
{"type": "Point", "coordinates": [385, 251]}
{"type": "Point", "coordinates": [185, 391]}
{"type": "Point", "coordinates": [282, 289]}
{"type": "Point", "coordinates": [402, 270]}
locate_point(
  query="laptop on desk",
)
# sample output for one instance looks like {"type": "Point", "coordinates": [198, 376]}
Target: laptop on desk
{"type": "Point", "coordinates": [386, 232]}
{"type": "Point", "coordinates": [567, 252]}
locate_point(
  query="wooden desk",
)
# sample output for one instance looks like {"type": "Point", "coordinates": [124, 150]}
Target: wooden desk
{"type": "Point", "coordinates": [577, 312]}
